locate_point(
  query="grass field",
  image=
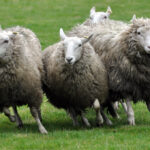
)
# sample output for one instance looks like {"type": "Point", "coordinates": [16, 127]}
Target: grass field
{"type": "Point", "coordinates": [45, 17]}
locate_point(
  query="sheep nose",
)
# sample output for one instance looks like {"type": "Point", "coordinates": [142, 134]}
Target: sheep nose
{"type": "Point", "coordinates": [6, 41]}
{"type": "Point", "coordinates": [69, 59]}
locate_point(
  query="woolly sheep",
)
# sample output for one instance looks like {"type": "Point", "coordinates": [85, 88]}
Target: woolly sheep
{"type": "Point", "coordinates": [21, 71]}
{"type": "Point", "coordinates": [126, 57]}
{"type": "Point", "coordinates": [75, 78]}
{"type": "Point", "coordinates": [102, 29]}
{"type": "Point", "coordinates": [6, 110]}
{"type": "Point", "coordinates": [113, 26]}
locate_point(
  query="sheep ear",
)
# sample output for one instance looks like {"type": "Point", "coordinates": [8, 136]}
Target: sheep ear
{"type": "Point", "coordinates": [12, 34]}
{"type": "Point", "coordinates": [92, 11]}
{"type": "Point", "coordinates": [133, 20]}
{"type": "Point", "coordinates": [86, 39]}
{"type": "Point", "coordinates": [62, 34]}
{"type": "Point", "coordinates": [109, 11]}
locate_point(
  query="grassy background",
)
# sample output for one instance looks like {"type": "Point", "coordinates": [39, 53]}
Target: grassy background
{"type": "Point", "coordinates": [45, 17]}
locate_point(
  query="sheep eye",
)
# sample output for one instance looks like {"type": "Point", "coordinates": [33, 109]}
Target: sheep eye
{"type": "Point", "coordinates": [105, 17]}
{"type": "Point", "coordinates": [138, 33]}
{"type": "Point", "coordinates": [79, 45]}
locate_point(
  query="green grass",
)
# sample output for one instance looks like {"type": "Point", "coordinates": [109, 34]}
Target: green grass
{"type": "Point", "coordinates": [45, 17]}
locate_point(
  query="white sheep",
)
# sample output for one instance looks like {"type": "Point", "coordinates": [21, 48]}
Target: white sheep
{"type": "Point", "coordinates": [108, 25]}
{"type": "Point", "coordinates": [75, 78]}
{"type": "Point", "coordinates": [21, 72]}
{"type": "Point", "coordinates": [126, 57]}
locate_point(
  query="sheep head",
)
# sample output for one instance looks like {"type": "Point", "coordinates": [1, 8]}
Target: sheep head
{"type": "Point", "coordinates": [141, 33]}
{"type": "Point", "coordinates": [5, 40]}
{"type": "Point", "coordinates": [97, 17]}
{"type": "Point", "coordinates": [72, 47]}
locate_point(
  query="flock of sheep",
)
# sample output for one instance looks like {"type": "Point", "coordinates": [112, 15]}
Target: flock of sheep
{"type": "Point", "coordinates": [95, 65]}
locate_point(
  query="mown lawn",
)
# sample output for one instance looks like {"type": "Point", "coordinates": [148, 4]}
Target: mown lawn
{"type": "Point", "coordinates": [45, 17]}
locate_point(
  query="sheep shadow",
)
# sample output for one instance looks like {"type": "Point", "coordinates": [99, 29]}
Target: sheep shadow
{"type": "Point", "coordinates": [53, 124]}
{"type": "Point", "coordinates": [63, 125]}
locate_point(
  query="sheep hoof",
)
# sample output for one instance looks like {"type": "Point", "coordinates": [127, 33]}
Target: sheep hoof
{"type": "Point", "coordinates": [109, 123]}
{"type": "Point", "coordinates": [20, 126]}
{"type": "Point", "coordinates": [88, 125]}
{"type": "Point", "coordinates": [99, 124]}
{"type": "Point", "coordinates": [131, 121]}
{"type": "Point", "coordinates": [76, 124]}
{"type": "Point", "coordinates": [43, 130]}
{"type": "Point", "coordinates": [12, 118]}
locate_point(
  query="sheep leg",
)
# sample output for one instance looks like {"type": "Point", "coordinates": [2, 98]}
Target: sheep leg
{"type": "Point", "coordinates": [116, 105]}
{"type": "Point", "coordinates": [39, 113]}
{"type": "Point", "coordinates": [35, 114]}
{"type": "Point", "coordinates": [85, 120]}
{"type": "Point", "coordinates": [99, 118]}
{"type": "Point", "coordinates": [73, 116]}
{"type": "Point", "coordinates": [112, 111]}
{"type": "Point", "coordinates": [108, 122]}
{"type": "Point", "coordinates": [124, 105]}
{"type": "Point", "coordinates": [130, 113]}
{"type": "Point", "coordinates": [7, 113]}
{"type": "Point", "coordinates": [18, 119]}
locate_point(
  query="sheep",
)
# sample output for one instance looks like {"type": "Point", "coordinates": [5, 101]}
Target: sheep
{"type": "Point", "coordinates": [113, 26]}
{"type": "Point", "coordinates": [126, 58]}
{"type": "Point", "coordinates": [6, 110]}
{"type": "Point", "coordinates": [97, 17]}
{"type": "Point", "coordinates": [30, 37]}
{"type": "Point", "coordinates": [75, 78]}
{"type": "Point", "coordinates": [21, 71]}
{"type": "Point", "coordinates": [108, 26]}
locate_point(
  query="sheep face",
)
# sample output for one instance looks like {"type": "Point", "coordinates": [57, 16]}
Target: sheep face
{"type": "Point", "coordinates": [72, 47]}
{"type": "Point", "coordinates": [4, 42]}
{"type": "Point", "coordinates": [97, 17]}
{"type": "Point", "coordinates": [141, 33]}
{"type": "Point", "coordinates": [142, 36]}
